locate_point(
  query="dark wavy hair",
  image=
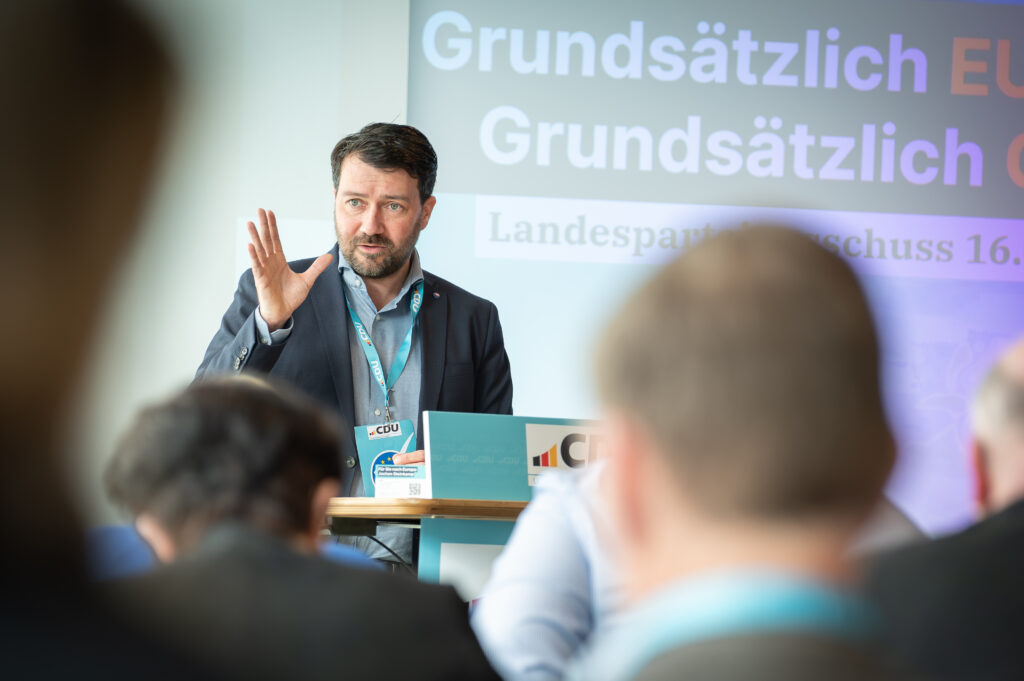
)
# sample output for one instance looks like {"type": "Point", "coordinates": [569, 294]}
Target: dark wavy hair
{"type": "Point", "coordinates": [226, 449]}
{"type": "Point", "coordinates": [390, 146]}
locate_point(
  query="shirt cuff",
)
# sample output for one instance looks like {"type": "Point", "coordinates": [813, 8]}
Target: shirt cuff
{"type": "Point", "coordinates": [268, 337]}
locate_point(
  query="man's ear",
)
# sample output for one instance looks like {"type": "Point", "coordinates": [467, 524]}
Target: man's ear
{"type": "Point", "coordinates": [979, 468]}
{"type": "Point", "coordinates": [158, 538]}
{"type": "Point", "coordinates": [623, 484]}
{"type": "Point", "coordinates": [428, 208]}
{"type": "Point", "coordinates": [325, 490]}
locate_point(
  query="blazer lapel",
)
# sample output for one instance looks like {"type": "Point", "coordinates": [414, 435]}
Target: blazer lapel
{"type": "Point", "coordinates": [433, 341]}
{"type": "Point", "coordinates": [328, 299]}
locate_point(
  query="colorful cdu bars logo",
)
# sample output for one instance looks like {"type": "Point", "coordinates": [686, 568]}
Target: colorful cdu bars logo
{"type": "Point", "coordinates": [547, 459]}
{"type": "Point", "coordinates": [552, 446]}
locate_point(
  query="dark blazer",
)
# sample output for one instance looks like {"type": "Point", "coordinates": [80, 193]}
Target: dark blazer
{"type": "Point", "coordinates": [465, 367]}
{"type": "Point", "coordinates": [954, 607]}
{"type": "Point", "coordinates": [251, 607]}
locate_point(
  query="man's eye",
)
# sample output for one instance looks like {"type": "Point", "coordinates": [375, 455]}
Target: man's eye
{"type": "Point", "coordinates": [395, 206]}
{"type": "Point", "coordinates": [354, 203]}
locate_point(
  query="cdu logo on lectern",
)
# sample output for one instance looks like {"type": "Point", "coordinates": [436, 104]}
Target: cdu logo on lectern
{"type": "Point", "coordinates": [555, 446]}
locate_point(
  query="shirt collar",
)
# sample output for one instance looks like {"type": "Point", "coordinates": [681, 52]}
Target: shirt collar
{"type": "Point", "coordinates": [722, 604]}
{"type": "Point", "coordinates": [355, 282]}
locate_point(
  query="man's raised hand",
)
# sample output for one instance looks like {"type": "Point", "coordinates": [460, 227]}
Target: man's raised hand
{"type": "Point", "coordinates": [280, 290]}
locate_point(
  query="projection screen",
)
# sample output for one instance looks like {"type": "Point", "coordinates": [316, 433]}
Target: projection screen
{"type": "Point", "coordinates": [583, 143]}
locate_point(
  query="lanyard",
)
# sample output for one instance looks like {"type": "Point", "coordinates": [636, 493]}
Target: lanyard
{"type": "Point", "coordinates": [373, 358]}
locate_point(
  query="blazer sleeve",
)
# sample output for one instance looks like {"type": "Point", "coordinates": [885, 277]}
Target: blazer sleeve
{"type": "Point", "coordinates": [494, 374]}
{"type": "Point", "coordinates": [235, 347]}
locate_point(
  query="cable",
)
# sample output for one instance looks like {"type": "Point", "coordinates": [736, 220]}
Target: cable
{"type": "Point", "coordinates": [398, 558]}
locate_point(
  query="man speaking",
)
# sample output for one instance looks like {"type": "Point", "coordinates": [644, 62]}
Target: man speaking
{"type": "Point", "coordinates": [382, 340]}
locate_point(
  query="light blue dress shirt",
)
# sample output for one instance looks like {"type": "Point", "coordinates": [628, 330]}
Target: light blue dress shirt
{"type": "Point", "coordinates": [387, 328]}
{"type": "Point", "coordinates": [554, 582]}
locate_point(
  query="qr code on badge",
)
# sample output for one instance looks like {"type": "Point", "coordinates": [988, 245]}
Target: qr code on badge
{"type": "Point", "coordinates": [415, 489]}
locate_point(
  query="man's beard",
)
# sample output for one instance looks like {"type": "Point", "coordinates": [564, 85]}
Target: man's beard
{"type": "Point", "coordinates": [387, 262]}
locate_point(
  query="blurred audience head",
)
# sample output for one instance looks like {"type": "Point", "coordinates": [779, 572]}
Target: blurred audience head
{"type": "Point", "coordinates": [997, 419]}
{"type": "Point", "coordinates": [742, 388]}
{"type": "Point", "coordinates": [234, 449]}
{"type": "Point", "coordinates": [87, 88]}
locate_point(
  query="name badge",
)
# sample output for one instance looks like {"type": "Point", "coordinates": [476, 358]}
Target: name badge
{"type": "Point", "coordinates": [382, 477]}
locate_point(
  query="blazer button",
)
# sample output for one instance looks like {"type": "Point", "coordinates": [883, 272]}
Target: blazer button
{"type": "Point", "coordinates": [237, 364]}
{"type": "Point", "coordinates": [243, 352]}
{"type": "Point", "coordinates": [350, 462]}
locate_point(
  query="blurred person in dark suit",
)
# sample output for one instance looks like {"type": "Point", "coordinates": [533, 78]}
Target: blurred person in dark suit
{"type": "Point", "coordinates": [230, 482]}
{"type": "Point", "coordinates": [954, 606]}
{"type": "Point", "coordinates": [747, 443]}
{"type": "Point", "coordinates": [87, 88]}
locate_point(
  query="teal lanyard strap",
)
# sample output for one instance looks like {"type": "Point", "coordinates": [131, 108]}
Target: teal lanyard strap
{"type": "Point", "coordinates": [401, 359]}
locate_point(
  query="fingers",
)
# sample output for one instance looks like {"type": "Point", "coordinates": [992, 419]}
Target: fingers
{"type": "Point", "coordinates": [256, 249]}
{"type": "Point", "coordinates": [257, 266]}
{"type": "Point", "coordinates": [266, 242]}
{"type": "Point", "coordinates": [415, 457]}
{"type": "Point", "coordinates": [275, 237]}
{"type": "Point", "coordinates": [265, 236]}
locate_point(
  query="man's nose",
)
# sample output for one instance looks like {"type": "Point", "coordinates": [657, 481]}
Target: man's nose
{"type": "Point", "coordinates": [373, 220]}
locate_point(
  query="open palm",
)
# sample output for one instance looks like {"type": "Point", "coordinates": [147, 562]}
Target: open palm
{"type": "Point", "coordinates": [280, 290]}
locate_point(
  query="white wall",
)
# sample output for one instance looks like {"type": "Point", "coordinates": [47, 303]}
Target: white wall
{"type": "Point", "coordinates": [269, 87]}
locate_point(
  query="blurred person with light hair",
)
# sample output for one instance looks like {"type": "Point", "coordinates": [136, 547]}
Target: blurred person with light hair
{"type": "Point", "coordinates": [747, 443]}
{"type": "Point", "coordinates": [954, 606]}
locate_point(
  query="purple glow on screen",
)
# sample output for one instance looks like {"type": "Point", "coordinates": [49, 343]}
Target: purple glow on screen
{"type": "Point", "coordinates": [939, 338]}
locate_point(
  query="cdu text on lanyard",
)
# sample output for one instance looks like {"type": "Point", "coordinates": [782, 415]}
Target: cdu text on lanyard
{"type": "Point", "coordinates": [398, 366]}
